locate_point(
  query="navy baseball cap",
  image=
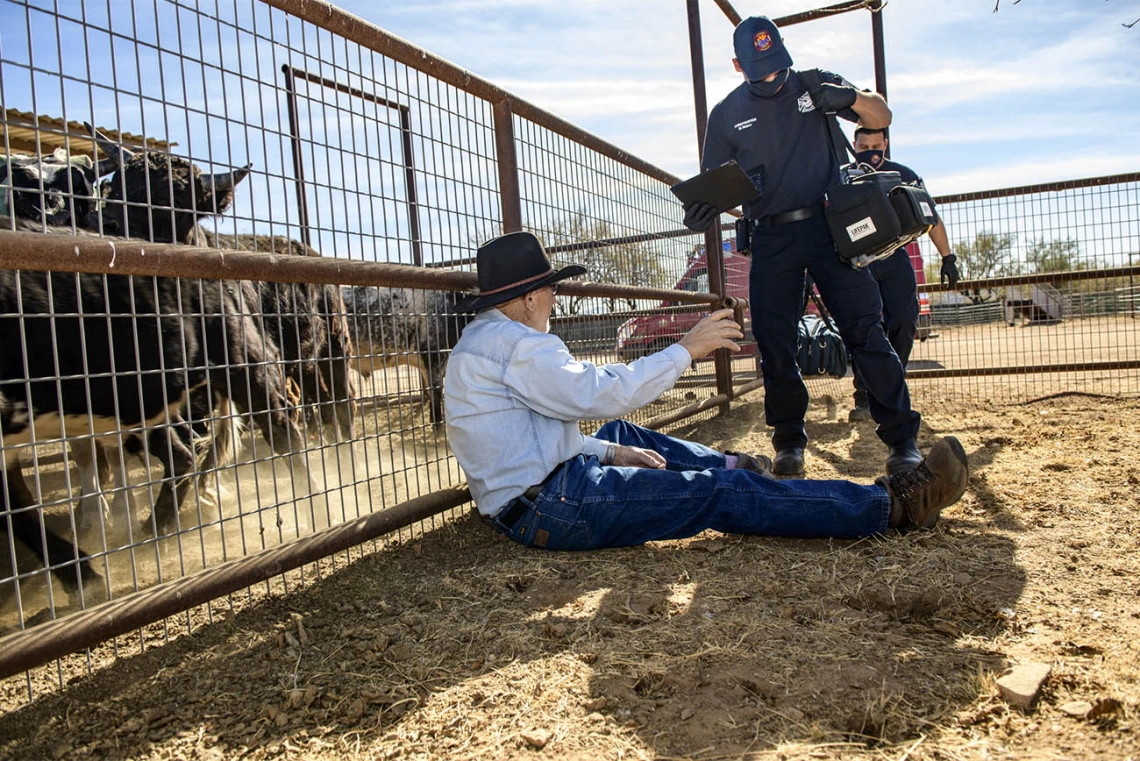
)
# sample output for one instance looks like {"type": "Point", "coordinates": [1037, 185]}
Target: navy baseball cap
{"type": "Point", "coordinates": [759, 48]}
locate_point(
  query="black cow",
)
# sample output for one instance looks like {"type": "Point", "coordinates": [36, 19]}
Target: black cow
{"type": "Point", "coordinates": [158, 197]}
{"type": "Point", "coordinates": [147, 343]}
{"type": "Point", "coordinates": [402, 326]}
{"type": "Point", "coordinates": [310, 325]}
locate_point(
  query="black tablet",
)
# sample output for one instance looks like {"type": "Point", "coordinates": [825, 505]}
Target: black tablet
{"type": "Point", "coordinates": [725, 187]}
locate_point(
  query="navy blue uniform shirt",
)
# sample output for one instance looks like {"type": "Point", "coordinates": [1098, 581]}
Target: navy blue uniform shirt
{"type": "Point", "coordinates": [781, 142]}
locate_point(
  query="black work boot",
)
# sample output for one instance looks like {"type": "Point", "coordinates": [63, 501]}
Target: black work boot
{"type": "Point", "coordinates": [789, 462]}
{"type": "Point", "coordinates": [757, 463]}
{"type": "Point", "coordinates": [862, 409]}
{"type": "Point", "coordinates": [904, 455]}
{"type": "Point", "coordinates": [919, 495]}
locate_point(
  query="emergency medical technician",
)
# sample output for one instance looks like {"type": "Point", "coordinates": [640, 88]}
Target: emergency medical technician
{"type": "Point", "coordinates": [895, 274]}
{"type": "Point", "coordinates": [772, 126]}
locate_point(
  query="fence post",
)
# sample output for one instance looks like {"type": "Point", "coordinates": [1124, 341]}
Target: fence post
{"type": "Point", "coordinates": [876, 8]}
{"type": "Point", "coordinates": [714, 255]}
{"type": "Point", "coordinates": [508, 164]}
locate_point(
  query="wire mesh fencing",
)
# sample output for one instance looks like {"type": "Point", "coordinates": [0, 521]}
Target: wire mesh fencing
{"type": "Point", "coordinates": [1050, 305]}
{"type": "Point", "coordinates": [1048, 299]}
{"type": "Point", "coordinates": [233, 242]}
{"type": "Point", "coordinates": [233, 239]}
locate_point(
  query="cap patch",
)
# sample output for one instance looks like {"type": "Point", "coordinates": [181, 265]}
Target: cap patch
{"type": "Point", "coordinates": [762, 41]}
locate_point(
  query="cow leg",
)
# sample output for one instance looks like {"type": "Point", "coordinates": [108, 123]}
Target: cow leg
{"type": "Point", "coordinates": [69, 564]}
{"type": "Point", "coordinates": [123, 502]}
{"type": "Point", "coordinates": [94, 470]}
{"type": "Point", "coordinates": [173, 444]}
{"type": "Point", "coordinates": [258, 388]}
{"type": "Point", "coordinates": [266, 405]}
{"type": "Point", "coordinates": [334, 364]}
{"type": "Point", "coordinates": [431, 367]}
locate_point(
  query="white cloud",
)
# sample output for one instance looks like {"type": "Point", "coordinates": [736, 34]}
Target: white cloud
{"type": "Point", "coordinates": [1032, 171]}
{"type": "Point", "coordinates": [958, 74]}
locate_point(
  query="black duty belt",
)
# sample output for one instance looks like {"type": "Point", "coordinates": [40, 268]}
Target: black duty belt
{"type": "Point", "coordinates": [793, 215]}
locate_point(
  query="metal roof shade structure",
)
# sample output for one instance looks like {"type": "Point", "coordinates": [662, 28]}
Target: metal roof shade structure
{"type": "Point", "coordinates": [25, 132]}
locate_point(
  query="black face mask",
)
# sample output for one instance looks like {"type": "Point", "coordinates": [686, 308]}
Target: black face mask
{"type": "Point", "coordinates": [874, 158]}
{"type": "Point", "coordinates": [763, 89]}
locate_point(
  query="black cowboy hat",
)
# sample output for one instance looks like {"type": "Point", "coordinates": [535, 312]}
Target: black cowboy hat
{"type": "Point", "coordinates": [510, 266]}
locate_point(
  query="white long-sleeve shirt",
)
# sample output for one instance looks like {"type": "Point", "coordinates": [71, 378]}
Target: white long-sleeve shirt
{"type": "Point", "coordinates": [513, 397]}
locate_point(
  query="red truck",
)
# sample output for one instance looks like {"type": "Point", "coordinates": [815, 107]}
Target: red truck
{"type": "Point", "coordinates": [649, 333]}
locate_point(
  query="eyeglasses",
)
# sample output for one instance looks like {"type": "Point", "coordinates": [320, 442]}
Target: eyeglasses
{"type": "Point", "coordinates": [554, 289]}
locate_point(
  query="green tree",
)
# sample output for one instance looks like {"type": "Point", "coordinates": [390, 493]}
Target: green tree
{"type": "Point", "coordinates": [1054, 256]}
{"type": "Point", "coordinates": [622, 263]}
{"type": "Point", "coordinates": [988, 255]}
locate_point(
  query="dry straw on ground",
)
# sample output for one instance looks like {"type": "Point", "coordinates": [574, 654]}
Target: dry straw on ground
{"type": "Point", "coordinates": [461, 645]}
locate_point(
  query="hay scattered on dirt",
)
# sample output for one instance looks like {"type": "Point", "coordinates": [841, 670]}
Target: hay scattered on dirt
{"type": "Point", "coordinates": [461, 645]}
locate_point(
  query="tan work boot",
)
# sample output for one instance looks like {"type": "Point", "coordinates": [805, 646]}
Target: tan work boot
{"type": "Point", "coordinates": [918, 496]}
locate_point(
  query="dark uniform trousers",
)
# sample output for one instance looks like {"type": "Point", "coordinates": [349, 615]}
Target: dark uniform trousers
{"type": "Point", "coordinates": [895, 276]}
{"type": "Point", "coordinates": [780, 255]}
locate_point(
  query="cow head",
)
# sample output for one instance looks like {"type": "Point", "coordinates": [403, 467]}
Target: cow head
{"type": "Point", "coordinates": [159, 197]}
{"type": "Point", "coordinates": [55, 190]}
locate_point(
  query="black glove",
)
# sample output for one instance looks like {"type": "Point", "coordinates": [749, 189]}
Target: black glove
{"type": "Point", "coordinates": [830, 98]}
{"type": "Point", "coordinates": [699, 216]}
{"type": "Point", "coordinates": [950, 270]}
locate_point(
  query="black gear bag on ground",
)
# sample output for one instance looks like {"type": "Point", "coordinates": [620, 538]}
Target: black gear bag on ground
{"type": "Point", "coordinates": [819, 348]}
{"type": "Point", "coordinates": [869, 214]}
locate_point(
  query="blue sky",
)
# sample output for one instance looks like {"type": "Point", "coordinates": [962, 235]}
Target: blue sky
{"type": "Point", "coordinates": [1042, 90]}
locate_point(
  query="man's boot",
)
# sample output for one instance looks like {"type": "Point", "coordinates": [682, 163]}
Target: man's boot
{"type": "Point", "coordinates": [757, 463]}
{"type": "Point", "coordinates": [919, 495]}
{"type": "Point", "coordinates": [789, 462]}
{"type": "Point", "coordinates": [904, 456]}
{"type": "Point", "coordinates": [862, 409]}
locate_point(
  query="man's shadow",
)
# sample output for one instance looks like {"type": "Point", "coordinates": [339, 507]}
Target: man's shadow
{"type": "Point", "coordinates": [735, 642]}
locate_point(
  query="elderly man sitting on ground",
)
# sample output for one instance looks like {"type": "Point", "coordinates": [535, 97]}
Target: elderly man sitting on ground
{"type": "Point", "coordinates": [513, 399]}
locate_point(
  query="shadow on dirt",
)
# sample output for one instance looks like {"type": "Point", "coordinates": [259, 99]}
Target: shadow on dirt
{"type": "Point", "coordinates": [462, 639]}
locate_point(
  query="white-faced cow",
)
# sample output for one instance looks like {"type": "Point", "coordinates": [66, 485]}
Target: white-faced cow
{"type": "Point", "coordinates": [55, 190]}
{"type": "Point", "coordinates": [402, 326]}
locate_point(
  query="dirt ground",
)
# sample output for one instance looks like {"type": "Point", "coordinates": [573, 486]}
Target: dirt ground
{"type": "Point", "coordinates": [457, 644]}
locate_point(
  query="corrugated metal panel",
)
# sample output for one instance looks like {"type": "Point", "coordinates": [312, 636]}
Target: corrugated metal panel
{"type": "Point", "coordinates": [19, 130]}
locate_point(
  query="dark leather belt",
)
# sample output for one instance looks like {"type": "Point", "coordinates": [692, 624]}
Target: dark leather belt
{"type": "Point", "coordinates": [515, 509]}
{"type": "Point", "coordinates": [793, 215]}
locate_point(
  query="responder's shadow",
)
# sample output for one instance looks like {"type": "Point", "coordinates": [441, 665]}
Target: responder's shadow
{"type": "Point", "coordinates": [759, 643]}
{"type": "Point", "coordinates": [866, 458]}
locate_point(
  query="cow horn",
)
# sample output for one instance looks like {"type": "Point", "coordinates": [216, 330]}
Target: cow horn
{"type": "Point", "coordinates": [224, 182]}
{"type": "Point", "coordinates": [116, 154]}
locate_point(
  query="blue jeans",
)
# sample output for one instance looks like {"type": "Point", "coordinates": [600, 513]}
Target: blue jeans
{"type": "Point", "coordinates": [780, 255]}
{"type": "Point", "coordinates": [585, 505]}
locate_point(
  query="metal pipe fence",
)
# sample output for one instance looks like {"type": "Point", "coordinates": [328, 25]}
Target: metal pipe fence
{"type": "Point", "coordinates": [1054, 264]}
{"type": "Point", "coordinates": [205, 363]}
{"type": "Point", "coordinates": [222, 354]}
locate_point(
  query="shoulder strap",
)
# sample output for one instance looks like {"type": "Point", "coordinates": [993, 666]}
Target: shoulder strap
{"type": "Point", "coordinates": [839, 143]}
